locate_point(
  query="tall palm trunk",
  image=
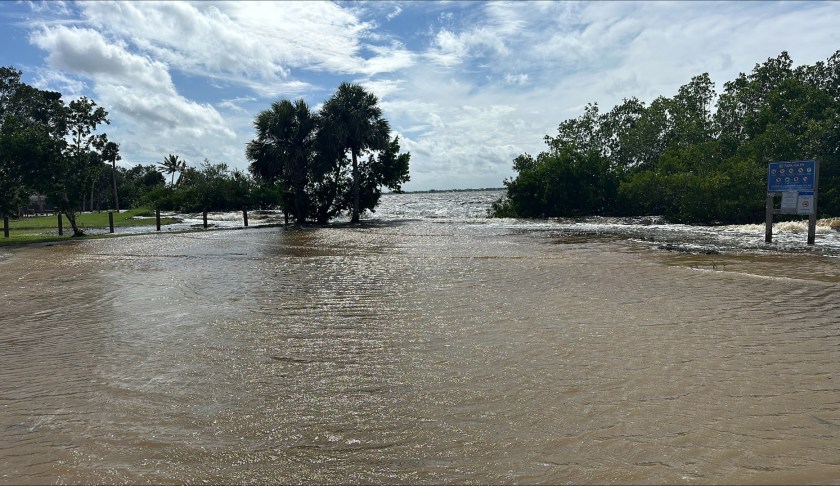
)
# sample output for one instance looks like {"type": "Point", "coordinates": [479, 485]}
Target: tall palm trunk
{"type": "Point", "coordinates": [114, 174]}
{"type": "Point", "coordinates": [92, 189]}
{"type": "Point", "coordinates": [299, 188]}
{"type": "Point", "coordinates": [355, 218]}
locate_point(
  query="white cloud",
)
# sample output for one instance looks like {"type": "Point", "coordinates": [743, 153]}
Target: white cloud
{"type": "Point", "coordinates": [383, 88]}
{"type": "Point", "coordinates": [86, 52]}
{"type": "Point", "coordinates": [57, 7]}
{"type": "Point", "coordinates": [69, 87]}
{"type": "Point", "coordinates": [467, 85]}
{"type": "Point", "coordinates": [394, 13]}
{"type": "Point", "coordinates": [255, 44]}
{"type": "Point", "coordinates": [235, 103]}
{"type": "Point", "coordinates": [138, 93]}
{"type": "Point", "coordinates": [552, 58]}
{"type": "Point", "coordinates": [519, 79]}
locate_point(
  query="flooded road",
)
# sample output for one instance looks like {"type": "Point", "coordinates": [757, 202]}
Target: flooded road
{"type": "Point", "coordinates": [416, 351]}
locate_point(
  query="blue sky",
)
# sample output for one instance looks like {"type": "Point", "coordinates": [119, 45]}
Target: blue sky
{"type": "Point", "coordinates": [467, 86]}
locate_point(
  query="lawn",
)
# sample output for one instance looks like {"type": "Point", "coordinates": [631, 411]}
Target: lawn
{"type": "Point", "coordinates": [45, 228]}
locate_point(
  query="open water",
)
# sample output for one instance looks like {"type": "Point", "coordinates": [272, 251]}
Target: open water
{"type": "Point", "coordinates": [427, 345]}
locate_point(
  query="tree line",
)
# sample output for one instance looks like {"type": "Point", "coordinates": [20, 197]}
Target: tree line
{"type": "Point", "coordinates": [315, 165]}
{"type": "Point", "coordinates": [697, 157]}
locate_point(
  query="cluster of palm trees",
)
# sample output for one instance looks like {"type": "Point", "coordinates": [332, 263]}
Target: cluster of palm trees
{"type": "Point", "coordinates": [317, 158]}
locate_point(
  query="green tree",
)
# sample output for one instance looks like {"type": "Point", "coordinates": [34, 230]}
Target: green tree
{"type": "Point", "coordinates": [212, 187]}
{"type": "Point", "coordinates": [354, 118]}
{"type": "Point", "coordinates": [67, 177]}
{"type": "Point", "coordinates": [331, 187]}
{"type": "Point", "coordinates": [172, 164]}
{"type": "Point", "coordinates": [688, 157]}
{"type": "Point", "coordinates": [283, 149]}
{"type": "Point", "coordinates": [32, 128]}
{"type": "Point", "coordinates": [305, 155]}
{"type": "Point", "coordinates": [388, 169]}
{"type": "Point", "coordinates": [137, 182]}
{"type": "Point", "coordinates": [111, 153]}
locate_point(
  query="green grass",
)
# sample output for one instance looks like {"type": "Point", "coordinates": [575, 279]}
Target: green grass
{"type": "Point", "coordinates": [89, 220]}
{"type": "Point", "coordinates": [42, 229]}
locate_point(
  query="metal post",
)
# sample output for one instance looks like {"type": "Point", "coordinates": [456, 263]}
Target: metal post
{"type": "Point", "coordinates": [205, 218]}
{"type": "Point", "coordinates": [245, 216]}
{"type": "Point", "coordinates": [60, 226]}
{"type": "Point", "coordinates": [768, 219]}
{"type": "Point", "coordinates": [157, 218]}
{"type": "Point", "coordinates": [5, 226]}
{"type": "Point", "coordinates": [111, 221]}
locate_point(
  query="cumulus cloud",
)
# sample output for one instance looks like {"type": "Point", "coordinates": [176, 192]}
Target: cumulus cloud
{"type": "Point", "coordinates": [86, 52]}
{"type": "Point", "coordinates": [256, 44]}
{"type": "Point", "coordinates": [558, 56]}
{"type": "Point", "coordinates": [138, 93]}
{"type": "Point", "coordinates": [50, 79]}
{"type": "Point", "coordinates": [466, 85]}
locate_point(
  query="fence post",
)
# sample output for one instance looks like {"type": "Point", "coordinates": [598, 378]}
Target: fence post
{"type": "Point", "coordinates": [245, 216]}
{"type": "Point", "coordinates": [768, 218]}
{"type": "Point", "coordinates": [205, 218]}
{"type": "Point", "coordinates": [157, 218]}
{"type": "Point", "coordinates": [111, 220]}
{"type": "Point", "coordinates": [60, 226]}
{"type": "Point", "coordinates": [6, 226]}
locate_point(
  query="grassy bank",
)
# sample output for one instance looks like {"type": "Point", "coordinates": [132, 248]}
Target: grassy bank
{"type": "Point", "coordinates": [45, 228]}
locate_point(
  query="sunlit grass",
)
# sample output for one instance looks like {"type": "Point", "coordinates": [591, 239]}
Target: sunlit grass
{"type": "Point", "coordinates": [42, 229]}
{"type": "Point", "coordinates": [90, 220]}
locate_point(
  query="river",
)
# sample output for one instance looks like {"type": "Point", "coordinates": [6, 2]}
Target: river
{"type": "Point", "coordinates": [427, 345]}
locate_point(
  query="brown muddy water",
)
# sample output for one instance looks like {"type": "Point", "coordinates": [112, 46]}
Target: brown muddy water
{"type": "Point", "coordinates": [415, 352]}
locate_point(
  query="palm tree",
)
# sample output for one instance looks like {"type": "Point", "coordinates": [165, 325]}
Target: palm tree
{"type": "Point", "coordinates": [355, 119]}
{"type": "Point", "coordinates": [283, 149]}
{"type": "Point", "coordinates": [111, 152]}
{"type": "Point", "coordinates": [172, 164]}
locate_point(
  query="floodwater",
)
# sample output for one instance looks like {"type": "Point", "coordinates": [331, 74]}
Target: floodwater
{"type": "Point", "coordinates": [424, 346]}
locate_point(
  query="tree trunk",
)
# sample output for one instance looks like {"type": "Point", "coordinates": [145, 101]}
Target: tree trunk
{"type": "Point", "coordinates": [355, 218]}
{"type": "Point", "coordinates": [71, 216]}
{"type": "Point", "coordinates": [114, 174]}
{"type": "Point", "coordinates": [92, 188]}
{"type": "Point", "coordinates": [299, 183]}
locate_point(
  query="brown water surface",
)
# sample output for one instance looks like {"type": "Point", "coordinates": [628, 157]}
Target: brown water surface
{"type": "Point", "coordinates": [415, 353]}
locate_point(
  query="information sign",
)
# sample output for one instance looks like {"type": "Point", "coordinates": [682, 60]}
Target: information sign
{"type": "Point", "coordinates": [791, 176]}
{"type": "Point", "coordinates": [797, 183]}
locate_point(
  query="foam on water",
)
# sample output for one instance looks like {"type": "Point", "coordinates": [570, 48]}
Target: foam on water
{"type": "Point", "coordinates": [473, 207]}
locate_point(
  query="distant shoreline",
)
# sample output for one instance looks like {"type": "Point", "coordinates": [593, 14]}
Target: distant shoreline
{"type": "Point", "coordinates": [433, 191]}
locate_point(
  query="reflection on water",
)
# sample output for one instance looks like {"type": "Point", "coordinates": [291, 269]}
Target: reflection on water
{"type": "Point", "coordinates": [418, 351]}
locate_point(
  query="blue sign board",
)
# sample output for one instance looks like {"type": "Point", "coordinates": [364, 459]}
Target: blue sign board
{"type": "Point", "coordinates": [791, 176]}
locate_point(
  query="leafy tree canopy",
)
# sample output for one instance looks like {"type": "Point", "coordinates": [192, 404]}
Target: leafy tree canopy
{"type": "Point", "coordinates": [47, 146]}
{"type": "Point", "coordinates": [333, 161]}
{"type": "Point", "coordinates": [698, 157]}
